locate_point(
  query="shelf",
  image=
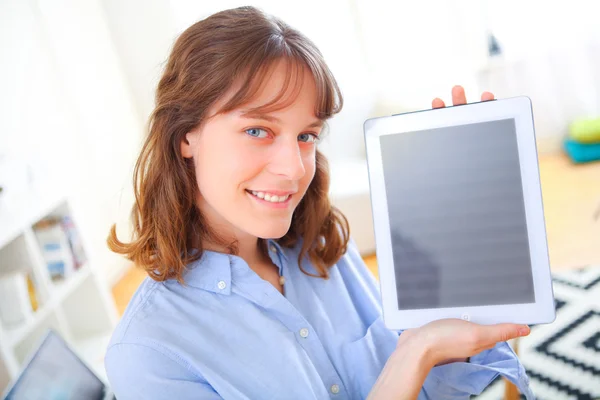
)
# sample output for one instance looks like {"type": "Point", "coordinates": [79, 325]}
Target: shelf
{"type": "Point", "coordinates": [79, 308]}
{"type": "Point", "coordinates": [17, 334]}
{"type": "Point", "coordinates": [60, 291]}
{"type": "Point", "coordinates": [29, 209]}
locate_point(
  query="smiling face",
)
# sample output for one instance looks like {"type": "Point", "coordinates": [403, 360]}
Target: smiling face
{"type": "Point", "coordinates": [254, 166]}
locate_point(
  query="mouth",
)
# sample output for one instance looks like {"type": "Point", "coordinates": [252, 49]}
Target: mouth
{"type": "Point", "coordinates": [274, 198]}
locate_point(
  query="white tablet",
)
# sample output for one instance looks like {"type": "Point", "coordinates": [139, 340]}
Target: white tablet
{"type": "Point", "coordinates": [458, 217]}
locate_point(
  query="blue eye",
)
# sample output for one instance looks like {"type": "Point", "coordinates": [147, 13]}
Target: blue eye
{"type": "Point", "coordinates": [257, 132]}
{"type": "Point", "coordinates": [308, 138]}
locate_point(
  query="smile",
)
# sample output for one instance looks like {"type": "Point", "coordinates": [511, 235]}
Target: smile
{"type": "Point", "coordinates": [272, 198]}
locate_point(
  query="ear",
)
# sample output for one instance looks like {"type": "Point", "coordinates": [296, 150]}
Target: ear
{"type": "Point", "coordinates": [186, 145]}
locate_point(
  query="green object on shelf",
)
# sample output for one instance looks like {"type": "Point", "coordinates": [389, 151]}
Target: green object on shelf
{"type": "Point", "coordinates": [585, 130]}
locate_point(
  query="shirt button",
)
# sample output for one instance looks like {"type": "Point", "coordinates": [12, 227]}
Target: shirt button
{"type": "Point", "coordinates": [221, 285]}
{"type": "Point", "coordinates": [304, 332]}
{"type": "Point", "coordinates": [335, 389]}
{"type": "Point", "coordinates": [273, 248]}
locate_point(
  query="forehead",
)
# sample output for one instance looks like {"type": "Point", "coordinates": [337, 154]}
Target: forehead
{"type": "Point", "coordinates": [281, 85]}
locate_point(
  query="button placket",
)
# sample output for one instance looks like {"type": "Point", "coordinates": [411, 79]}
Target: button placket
{"type": "Point", "coordinates": [308, 339]}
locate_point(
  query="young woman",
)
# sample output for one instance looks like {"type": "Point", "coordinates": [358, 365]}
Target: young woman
{"type": "Point", "coordinates": [255, 289]}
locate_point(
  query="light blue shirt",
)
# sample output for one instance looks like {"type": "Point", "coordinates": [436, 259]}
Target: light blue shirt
{"type": "Point", "coordinates": [230, 334]}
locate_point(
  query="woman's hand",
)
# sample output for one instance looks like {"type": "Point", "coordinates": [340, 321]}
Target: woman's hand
{"type": "Point", "coordinates": [420, 349]}
{"type": "Point", "coordinates": [449, 340]}
{"type": "Point", "coordinates": [458, 97]}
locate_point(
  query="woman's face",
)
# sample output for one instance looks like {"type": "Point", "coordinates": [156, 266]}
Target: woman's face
{"type": "Point", "coordinates": [253, 169]}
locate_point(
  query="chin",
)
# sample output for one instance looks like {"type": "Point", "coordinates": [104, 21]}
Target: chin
{"type": "Point", "coordinates": [271, 231]}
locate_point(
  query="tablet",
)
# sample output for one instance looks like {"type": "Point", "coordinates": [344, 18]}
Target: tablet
{"type": "Point", "coordinates": [458, 216]}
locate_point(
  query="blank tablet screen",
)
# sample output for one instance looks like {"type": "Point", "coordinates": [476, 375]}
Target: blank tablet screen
{"type": "Point", "coordinates": [457, 216]}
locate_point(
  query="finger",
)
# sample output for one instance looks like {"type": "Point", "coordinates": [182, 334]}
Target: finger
{"type": "Point", "coordinates": [487, 96]}
{"type": "Point", "coordinates": [458, 95]}
{"type": "Point", "coordinates": [438, 103]}
{"type": "Point", "coordinates": [504, 332]}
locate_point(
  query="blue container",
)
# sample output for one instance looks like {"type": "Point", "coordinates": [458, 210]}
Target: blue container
{"type": "Point", "coordinates": [582, 152]}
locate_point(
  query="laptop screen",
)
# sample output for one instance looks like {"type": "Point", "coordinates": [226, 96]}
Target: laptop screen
{"type": "Point", "coordinates": [54, 373]}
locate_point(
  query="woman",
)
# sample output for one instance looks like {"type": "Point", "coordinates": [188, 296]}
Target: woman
{"type": "Point", "coordinates": [255, 289]}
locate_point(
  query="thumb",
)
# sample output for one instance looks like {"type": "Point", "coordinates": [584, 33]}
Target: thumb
{"type": "Point", "coordinates": [504, 332]}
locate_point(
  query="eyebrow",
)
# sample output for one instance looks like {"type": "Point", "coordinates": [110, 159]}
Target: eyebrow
{"type": "Point", "coordinates": [254, 115]}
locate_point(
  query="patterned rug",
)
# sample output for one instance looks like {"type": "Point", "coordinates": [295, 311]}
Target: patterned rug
{"type": "Point", "coordinates": [563, 358]}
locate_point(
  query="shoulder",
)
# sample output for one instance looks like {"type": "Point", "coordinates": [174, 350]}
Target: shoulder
{"type": "Point", "coordinates": [157, 312]}
{"type": "Point", "coordinates": [137, 311]}
{"type": "Point", "coordinates": [154, 331]}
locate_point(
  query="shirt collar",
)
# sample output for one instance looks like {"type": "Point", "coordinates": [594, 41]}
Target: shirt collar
{"type": "Point", "coordinates": [275, 249]}
{"type": "Point", "coordinates": [212, 271]}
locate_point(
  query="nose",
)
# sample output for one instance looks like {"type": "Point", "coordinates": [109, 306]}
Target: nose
{"type": "Point", "coordinates": [286, 160]}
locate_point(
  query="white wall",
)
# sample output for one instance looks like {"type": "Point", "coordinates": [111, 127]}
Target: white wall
{"type": "Point", "coordinates": [552, 55]}
{"type": "Point", "coordinates": [142, 33]}
{"type": "Point", "coordinates": [67, 109]}
{"type": "Point", "coordinates": [417, 50]}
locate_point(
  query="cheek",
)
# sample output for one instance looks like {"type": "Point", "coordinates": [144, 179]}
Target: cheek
{"type": "Point", "coordinates": [210, 160]}
{"type": "Point", "coordinates": [224, 166]}
{"type": "Point", "coordinates": [310, 166]}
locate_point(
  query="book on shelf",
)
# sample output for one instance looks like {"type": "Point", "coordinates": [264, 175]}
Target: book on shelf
{"type": "Point", "coordinates": [60, 245]}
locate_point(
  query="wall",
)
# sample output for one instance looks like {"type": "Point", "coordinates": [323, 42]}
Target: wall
{"type": "Point", "coordinates": [68, 111]}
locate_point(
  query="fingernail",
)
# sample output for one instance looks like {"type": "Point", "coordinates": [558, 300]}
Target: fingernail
{"type": "Point", "coordinates": [524, 330]}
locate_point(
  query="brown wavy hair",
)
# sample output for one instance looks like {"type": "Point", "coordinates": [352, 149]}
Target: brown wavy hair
{"type": "Point", "coordinates": [233, 47]}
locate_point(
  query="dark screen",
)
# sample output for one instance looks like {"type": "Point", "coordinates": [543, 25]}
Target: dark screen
{"type": "Point", "coordinates": [457, 216]}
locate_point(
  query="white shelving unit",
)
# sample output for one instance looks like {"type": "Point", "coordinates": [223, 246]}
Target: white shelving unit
{"type": "Point", "coordinates": [79, 307]}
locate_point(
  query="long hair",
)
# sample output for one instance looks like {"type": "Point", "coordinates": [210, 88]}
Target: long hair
{"type": "Point", "coordinates": [207, 60]}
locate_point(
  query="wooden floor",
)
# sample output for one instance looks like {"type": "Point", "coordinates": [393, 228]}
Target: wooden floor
{"type": "Point", "coordinates": [126, 287]}
{"type": "Point", "coordinates": [371, 262]}
{"type": "Point", "coordinates": [571, 195]}
{"type": "Point", "coordinates": [571, 205]}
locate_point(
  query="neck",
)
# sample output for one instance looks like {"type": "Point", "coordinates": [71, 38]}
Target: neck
{"type": "Point", "coordinates": [250, 251]}
{"type": "Point", "coordinates": [248, 248]}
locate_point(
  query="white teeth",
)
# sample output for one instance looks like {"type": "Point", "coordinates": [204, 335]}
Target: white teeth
{"type": "Point", "coordinates": [268, 197]}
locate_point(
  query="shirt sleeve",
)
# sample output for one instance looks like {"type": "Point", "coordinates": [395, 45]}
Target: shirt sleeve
{"type": "Point", "coordinates": [137, 371]}
{"type": "Point", "coordinates": [458, 380]}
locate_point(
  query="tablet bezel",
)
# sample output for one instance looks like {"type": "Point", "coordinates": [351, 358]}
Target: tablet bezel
{"type": "Point", "coordinates": [517, 108]}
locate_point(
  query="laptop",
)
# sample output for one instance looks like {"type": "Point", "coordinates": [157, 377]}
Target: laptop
{"type": "Point", "coordinates": [55, 372]}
